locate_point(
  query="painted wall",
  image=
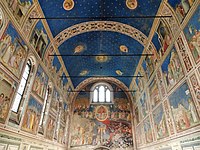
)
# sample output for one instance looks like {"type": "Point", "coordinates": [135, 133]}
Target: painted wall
{"type": "Point", "coordinates": [167, 97]}
{"type": "Point", "coordinates": [22, 39]}
{"type": "Point", "coordinates": [106, 125]}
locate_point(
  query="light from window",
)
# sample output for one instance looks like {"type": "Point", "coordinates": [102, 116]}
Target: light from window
{"type": "Point", "coordinates": [101, 93]}
{"type": "Point", "coordinates": [21, 89]}
{"type": "Point", "coordinates": [44, 107]}
{"type": "Point", "coordinates": [95, 97]}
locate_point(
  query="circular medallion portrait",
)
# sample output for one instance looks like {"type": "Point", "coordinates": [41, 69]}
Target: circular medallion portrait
{"type": "Point", "coordinates": [101, 113]}
{"type": "Point", "coordinates": [131, 4]}
{"type": "Point", "coordinates": [68, 4]}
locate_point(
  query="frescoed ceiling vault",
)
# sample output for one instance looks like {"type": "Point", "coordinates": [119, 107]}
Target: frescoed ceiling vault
{"type": "Point", "coordinates": [79, 48]}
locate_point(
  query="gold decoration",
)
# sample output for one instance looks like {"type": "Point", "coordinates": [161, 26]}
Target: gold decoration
{"type": "Point", "coordinates": [101, 58]}
{"type": "Point", "coordinates": [131, 4]}
{"type": "Point", "coordinates": [68, 4]}
{"type": "Point", "coordinates": [123, 48]}
{"type": "Point", "coordinates": [119, 72]}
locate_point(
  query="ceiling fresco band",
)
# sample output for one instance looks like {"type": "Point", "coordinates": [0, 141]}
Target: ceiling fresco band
{"type": "Point", "coordinates": [100, 26]}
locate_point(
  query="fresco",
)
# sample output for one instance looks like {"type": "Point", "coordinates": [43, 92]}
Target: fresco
{"type": "Point", "coordinates": [64, 112]}
{"type": "Point", "coordinates": [32, 116]}
{"type": "Point", "coordinates": [183, 108]}
{"type": "Point", "coordinates": [40, 83]}
{"type": "Point", "coordinates": [148, 65]}
{"type": "Point", "coordinates": [160, 122]}
{"type": "Point", "coordinates": [164, 38]}
{"type": "Point", "coordinates": [140, 83]}
{"type": "Point", "coordinates": [39, 39]}
{"type": "Point", "coordinates": [101, 124]}
{"type": "Point", "coordinates": [181, 7]}
{"type": "Point", "coordinates": [6, 95]}
{"type": "Point", "coordinates": [192, 34]}
{"type": "Point", "coordinates": [1, 19]}
{"type": "Point", "coordinates": [50, 127]}
{"type": "Point", "coordinates": [55, 66]}
{"type": "Point", "coordinates": [143, 105]}
{"type": "Point", "coordinates": [61, 134]}
{"type": "Point", "coordinates": [154, 92]}
{"type": "Point", "coordinates": [148, 130]}
{"type": "Point", "coordinates": [19, 8]}
{"type": "Point", "coordinates": [13, 51]}
{"type": "Point", "coordinates": [172, 69]}
{"type": "Point", "coordinates": [55, 100]}
{"type": "Point", "coordinates": [139, 138]}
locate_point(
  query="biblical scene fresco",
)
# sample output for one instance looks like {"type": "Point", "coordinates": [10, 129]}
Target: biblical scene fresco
{"type": "Point", "coordinates": [19, 8]}
{"type": "Point", "coordinates": [40, 83]}
{"type": "Point", "coordinates": [139, 135]}
{"type": "Point", "coordinates": [140, 83]}
{"type": "Point", "coordinates": [181, 7]}
{"type": "Point", "coordinates": [32, 116]}
{"type": "Point", "coordinates": [148, 66]}
{"type": "Point", "coordinates": [6, 94]}
{"type": "Point", "coordinates": [55, 66]}
{"type": "Point", "coordinates": [160, 122]}
{"type": "Point", "coordinates": [148, 131]}
{"type": "Point", "coordinates": [13, 51]}
{"type": "Point", "coordinates": [55, 100]}
{"type": "Point", "coordinates": [172, 69]}
{"type": "Point", "coordinates": [143, 105]}
{"type": "Point", "coordinates": [192, 34]}
{"type": "Point", "coordinates": [101, 124]}
{"type": "Point", "coordinates": [50, 127]}
{"type": "Point", "coordinates": [61, 134]}
{"type": "Point", "coordinates": [163, 38]}
{"type": "Point", "coordinates": [64, 112]}
{"type": "Point", "coordinates": [39, 39]}
{"type": "Point", "coordinates": [183, 108]}
{"type": "Point", "coordinates": [154, 93]}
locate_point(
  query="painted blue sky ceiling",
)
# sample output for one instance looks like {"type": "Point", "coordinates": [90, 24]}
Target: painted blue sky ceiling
{"type": "Point", "coordinates": [99, 8]}
{"type": "Point", "coordinates": [96, 43]}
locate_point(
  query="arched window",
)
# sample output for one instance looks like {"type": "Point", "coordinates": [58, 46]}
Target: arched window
{"type": "Point", "coordinates": [101, 93]}
{"type": "Point", "coordinates": [21, 88]}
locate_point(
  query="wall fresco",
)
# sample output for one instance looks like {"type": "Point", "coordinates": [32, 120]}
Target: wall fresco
{"type": "Point", "coordinates": [148, 130]}
{"type": "Point", "coordinates": [183, 108]}
{"type": "Point", "coordinates": [144, 105]}
{"type": "Point", "coordinates": [154, 93]}
{"type": "Point", "coordinates": [160, 123]}
{"type": "Point", "coordinates": [19, 8]}
{"type": "Point", "coordinates": [32, 116]}
{"type": "Point", "coordinates": [6, 95]}
{"type": "Point", "coordinates": [13, 51]}
{"type": "Point", "coordinates": [55, 101]}
{"type": "Point", "coordinates": [40, 82]}
{"type": "Point", "coordinates": [192, 34]}
{"type": "Point", "coordinates": [181, 7]}
{"type": "Point", "coordinates": [162, 39]}
{"type": "Point", "coordinates": [148, 65]}
{"type": "Point", "coordinates": [39, 39]}
{"type": "Point", "coordinates": [50, 128]}
{"type": "Point", "coordinates": [172, 69]}
{"type": "Point", "coordinates": [101, 124]}
{"type": "Point", "coordinates": [2, 19]}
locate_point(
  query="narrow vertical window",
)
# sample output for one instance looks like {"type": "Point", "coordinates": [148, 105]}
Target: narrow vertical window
{"type": "Point", "coordinates": [101, 94]}
{"type": "Point", "coordinates": [108, 96]}
{"type": "Point", "coordinates": [44, 107]}
{"type": "Point", "coordinates": [22, 86]}
{"type": "Point", "coordinates": [95, 95]}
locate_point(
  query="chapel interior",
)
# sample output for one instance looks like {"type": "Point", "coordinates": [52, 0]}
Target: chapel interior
{"type": "Point", "coordinates": [99, 75]}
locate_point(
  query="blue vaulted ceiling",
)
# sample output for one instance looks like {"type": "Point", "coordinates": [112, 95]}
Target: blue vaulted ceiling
{"type": "Point", "coordinates": [100, 42]}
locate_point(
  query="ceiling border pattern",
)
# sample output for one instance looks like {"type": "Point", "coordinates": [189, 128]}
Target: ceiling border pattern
{"type": "Point", "coordinates": [100, 26]}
